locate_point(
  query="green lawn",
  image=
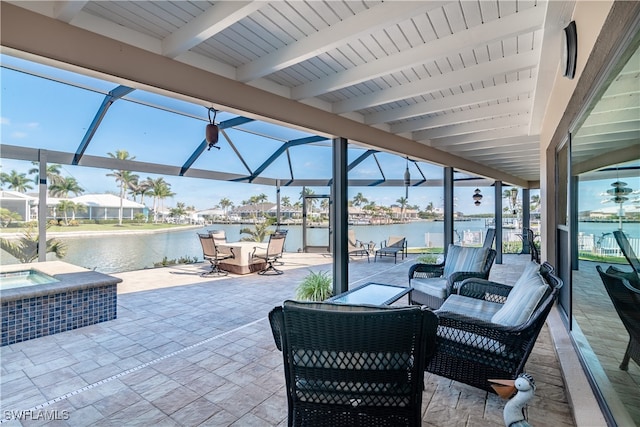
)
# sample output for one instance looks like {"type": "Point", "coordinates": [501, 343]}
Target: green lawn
{"type": "Point", "coordinates": [100, 227]}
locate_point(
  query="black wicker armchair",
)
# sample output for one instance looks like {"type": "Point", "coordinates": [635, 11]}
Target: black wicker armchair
{"type": "Point", "coordinates": [627, 251]}
{"type": "Point", "coordinates": [471, 348]}
{"type": "Point", "coordinates": [339, 373]}
{"type": "Point", "coordinates": [432, 283]}
{"type": "Point", "coordinates": [624, 291]}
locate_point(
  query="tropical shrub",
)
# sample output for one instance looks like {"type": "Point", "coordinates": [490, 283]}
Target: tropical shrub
{"type": "Point", "coordinates": [25, 249]}
{"type": "Point", "coordinates": [316, 286]}
{"type": "Point", "coordinates": [259, 232]}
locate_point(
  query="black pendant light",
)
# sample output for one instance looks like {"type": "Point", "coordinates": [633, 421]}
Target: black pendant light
{"type": "Point", "coordinates": [211, 131]}
{"type": "Point", "coordinates": [477, 197]}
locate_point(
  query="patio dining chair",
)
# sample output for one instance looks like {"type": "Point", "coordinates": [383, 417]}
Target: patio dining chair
{"type": "Point", "coordinates": [272, 254]}
{"type": "Point", "coordinates": [213, 254]}
{"type": "Point", "coordinates": [219, 235]}
{"type": "Point", "coordinates": [339, 373]}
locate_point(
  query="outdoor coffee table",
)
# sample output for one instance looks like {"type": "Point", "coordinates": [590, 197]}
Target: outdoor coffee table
{"type": "Point", "coordinates": [372, 293]}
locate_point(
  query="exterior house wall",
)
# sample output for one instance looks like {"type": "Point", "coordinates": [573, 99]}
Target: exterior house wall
{"type": "Point", "coordinates": [566, 101]}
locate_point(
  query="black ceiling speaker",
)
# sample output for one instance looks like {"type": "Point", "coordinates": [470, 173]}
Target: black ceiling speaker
{"type": "Point", "coordinates": [569, 50]}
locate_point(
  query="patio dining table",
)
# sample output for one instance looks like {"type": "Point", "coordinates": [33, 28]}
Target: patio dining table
{"type": "Point", "coordinates": [242, 263]}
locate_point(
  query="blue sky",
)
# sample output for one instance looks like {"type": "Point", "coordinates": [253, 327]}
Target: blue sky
{"type": "Point", "coordinates": [40, 113]}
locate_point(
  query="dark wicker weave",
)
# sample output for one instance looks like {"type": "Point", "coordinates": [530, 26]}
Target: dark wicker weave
{"type": "Point", "coordinates": [473, 351]}
{"type": "Point", "coordinates": [453, 281]}
{"type": "Point", "coordinates": [489, 238]}
{"type": "Point", "coordinates": [627, 251]}
{"type": "Point", "coordinates": [623, 290]}
{"type": "Point", "coordinates": [530, 236]}
{"type": "Point", "coordinates": [353, 365]}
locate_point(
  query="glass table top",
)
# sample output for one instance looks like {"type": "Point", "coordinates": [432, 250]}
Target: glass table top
{"type": "Point", "coordinates": [372, 293]}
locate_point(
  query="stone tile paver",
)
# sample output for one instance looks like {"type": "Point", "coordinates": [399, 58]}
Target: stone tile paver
{"type": "Point", "coordinates": [191, 351]}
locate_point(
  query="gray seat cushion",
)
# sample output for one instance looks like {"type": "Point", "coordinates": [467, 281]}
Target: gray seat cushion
{"type": "Point", "coordinates": [471, 307]}
{"type": "Point", "coordinates": [435, 286]}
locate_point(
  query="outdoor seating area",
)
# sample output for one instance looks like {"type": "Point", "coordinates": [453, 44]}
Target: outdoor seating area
{"type": "Point", "coordinates": [242, 257]}
{"type": "Point", "coordinates": [488, 329]}
{"type": "Point", "coordinates": [181, 353]}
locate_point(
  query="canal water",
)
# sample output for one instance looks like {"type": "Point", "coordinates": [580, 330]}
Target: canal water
{"type": "Point", "coordinates": [119, 253]}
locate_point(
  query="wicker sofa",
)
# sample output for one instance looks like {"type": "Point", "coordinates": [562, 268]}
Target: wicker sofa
{"type": "Point", "coordinates": [483, 334]}
{"type": "Point", "coordinates": [432, 283]}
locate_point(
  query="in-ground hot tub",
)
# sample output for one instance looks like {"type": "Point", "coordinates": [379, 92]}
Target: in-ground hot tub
{"type": "Point", "coordinates": [49, 297]}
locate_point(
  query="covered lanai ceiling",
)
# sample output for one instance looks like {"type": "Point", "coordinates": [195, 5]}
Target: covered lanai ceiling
{"type": "Point", "coordinates": [458, 83]}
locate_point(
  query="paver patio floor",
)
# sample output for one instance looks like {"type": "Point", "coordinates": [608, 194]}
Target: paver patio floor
{"type": "Point", "coordinates": [187, 350]}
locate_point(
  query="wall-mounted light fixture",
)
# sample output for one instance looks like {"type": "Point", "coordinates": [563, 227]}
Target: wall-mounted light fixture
{"type": "Point", "coordinates": [477, 197]}
{"type": "Point", "coordinates": [569, 50]}
{"type": "Point", "coordinates": [211, 131]}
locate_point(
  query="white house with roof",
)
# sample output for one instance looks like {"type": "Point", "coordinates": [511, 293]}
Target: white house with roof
{"type": "Point", "coordinates": [107, 206]}
{"type": "Point", "coordinates": [21, 203]}
{"type": "Point", "coordinates": [97, 206]}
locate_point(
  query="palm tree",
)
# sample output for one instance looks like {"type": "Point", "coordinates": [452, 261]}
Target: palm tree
{"type": "Point", "coordinates": [154, 187]}
{"type": "Point", "coordinates": [145, 187]}
{"type": "Point", "coordinates": [429, 207]}
{"type": "Point", "coordinates": [225, 204]}
{"type": "Point", "coordinates": [7, 216]}
{"type": "Point", "coordinates": [161, 191]}
{"type": "Point", "coordinates": [370, 207]}
{"type": "Point", "coordinates": [308, 192]}
{"type": "Point", "coordinates": [53, 174]}
{"type": "Point", "coordinates": [359, 200]}
{"type": "Point", "coordinates": [122, 177]}
{"type": "Point", "coordinates": [77, 207]}
{"type": "Point", "coordinates": [512, 199]}
{"type": "Point", "coordinates": [286, 201]}
{"type": "Point", "coordinates": [403, 204]}
{"type": "Point", "coordinates": [16, 181]}
{"type": "Point", "coordinates": [25, 249]}
{"type": "Point", "coordinates": [261, 199]}
{"type": "Point", "coordinates": [65, 186]}
{"type": "Point", "coordinates": [65, 206]}
{"type": "Point", "coordinates": [178, 211]}
{"type": "Point", "coordinates": [535, 202]}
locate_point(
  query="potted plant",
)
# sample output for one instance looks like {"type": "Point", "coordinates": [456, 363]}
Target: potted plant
{"type": "Point", "coordinates": [316, 286]}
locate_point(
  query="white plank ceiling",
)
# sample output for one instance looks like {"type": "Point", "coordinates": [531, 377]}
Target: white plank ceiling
{"type": "Point", "coordinates": [468, 77]}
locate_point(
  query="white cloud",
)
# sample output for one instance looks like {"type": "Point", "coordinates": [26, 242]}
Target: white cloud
{"type": "Point", "coordinates": [33, 125]}
{"type": "Point", "coordinates": [5, 121]}
{"type": "Point", "coordinates": [19, 135]}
